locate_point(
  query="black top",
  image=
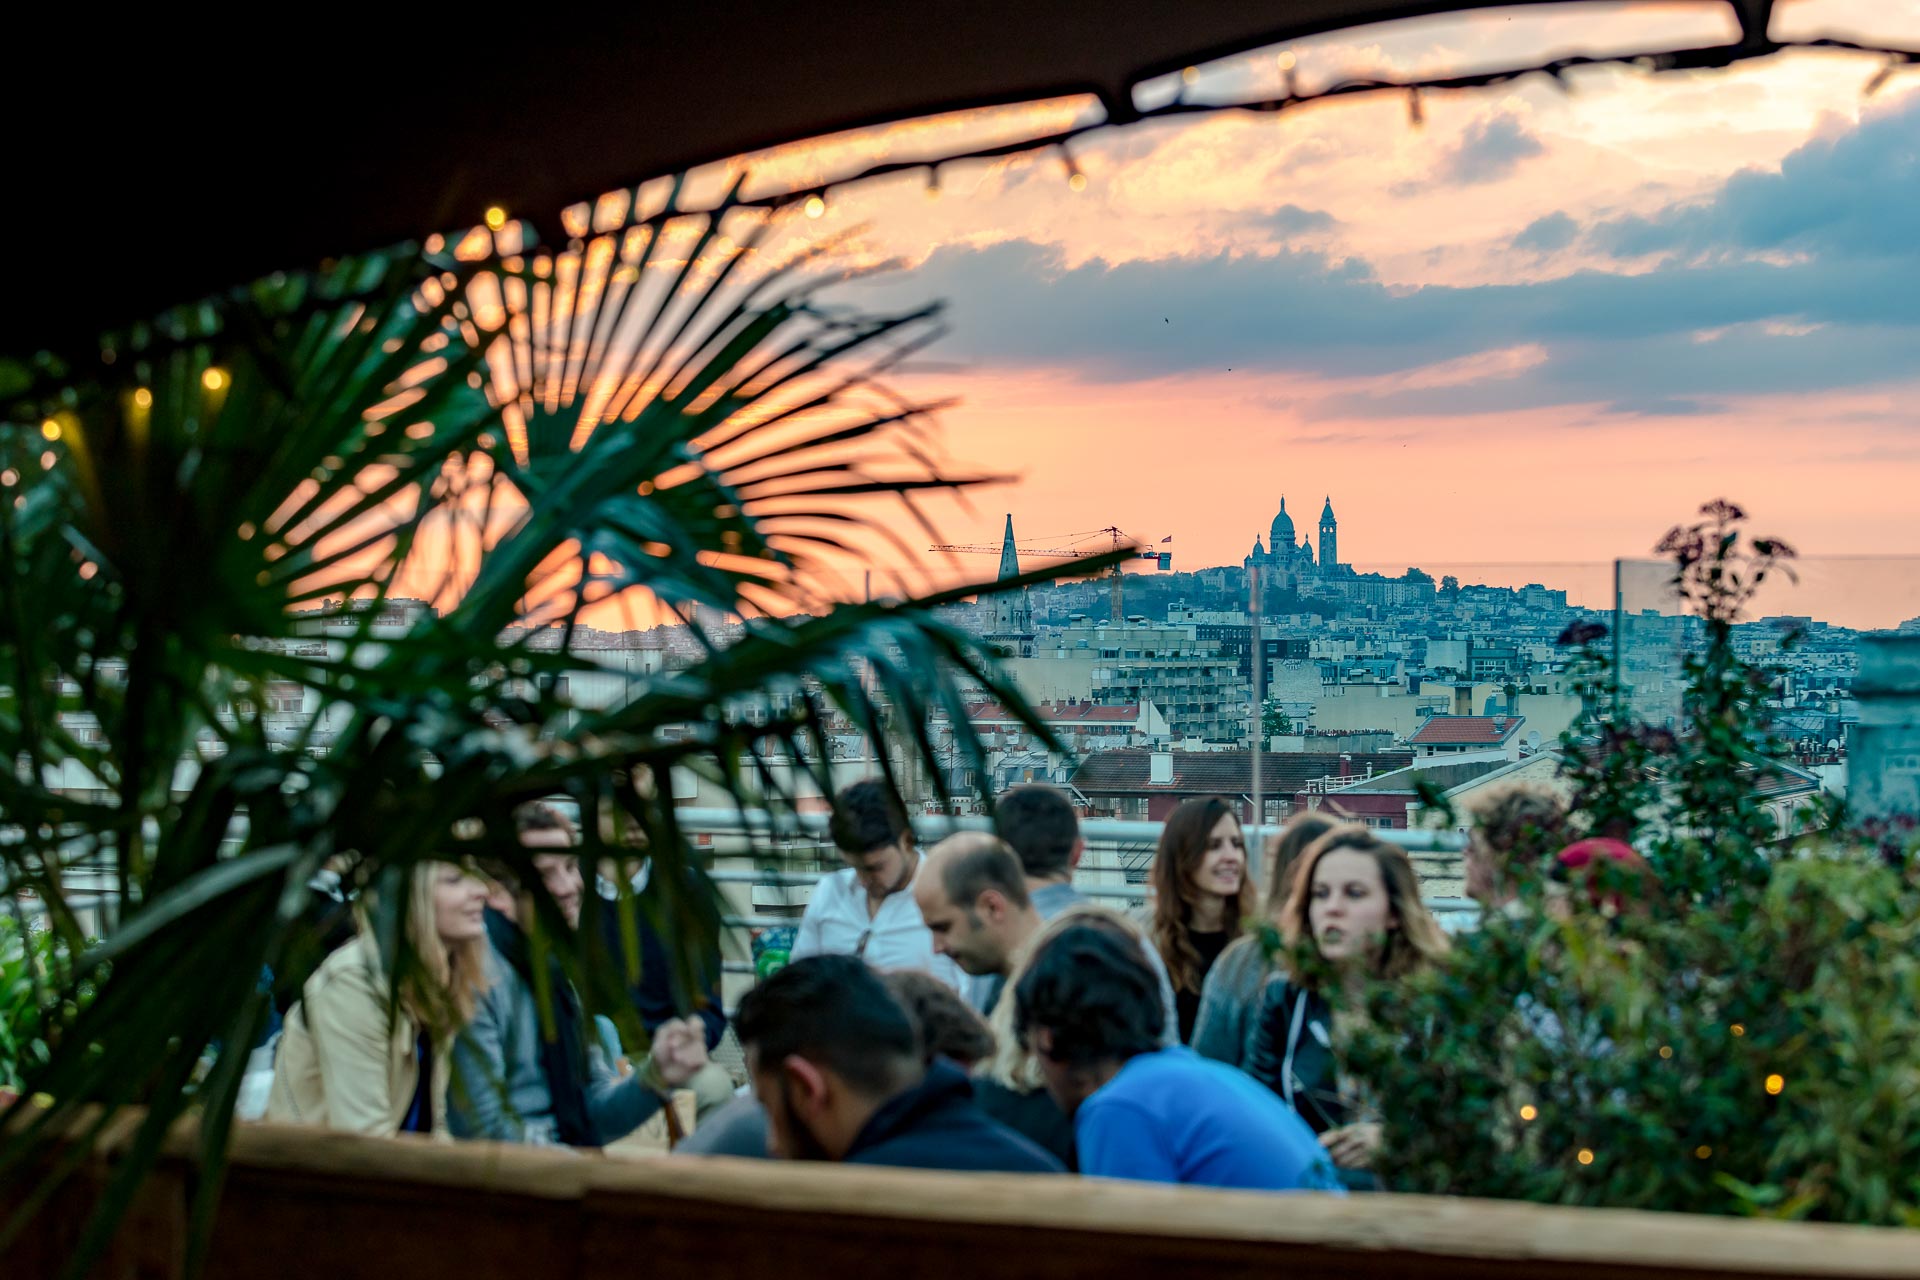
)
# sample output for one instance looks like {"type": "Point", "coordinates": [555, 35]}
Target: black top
{"type": "Point", "coordinates": [1035, 1116]}
{"type": "Point", "coordinates": [659, 994]}
{"type": "Point", "coordinates": [937, 1125]}
{"type": "Point", "coordinates": [1187, 1003]}
{"type": "Point", "coordinates": [420, 1110]}
{"type": "Point", "coordinates": [1291, 1052]}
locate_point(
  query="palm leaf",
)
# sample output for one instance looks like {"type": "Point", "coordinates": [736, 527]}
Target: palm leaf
{"type": "Point", "coordinates": [665, 413]}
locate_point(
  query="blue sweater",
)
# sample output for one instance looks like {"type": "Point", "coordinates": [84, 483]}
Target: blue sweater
{"type": "Point", "coordinates": [1173, 1116]}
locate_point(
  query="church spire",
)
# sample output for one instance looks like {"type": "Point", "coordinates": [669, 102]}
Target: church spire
{"type": "Point", "coordinates": [1009, 558]}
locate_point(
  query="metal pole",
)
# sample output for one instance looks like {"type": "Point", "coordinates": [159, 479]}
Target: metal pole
{"type": "Point", "coordinates": [1255, 845]}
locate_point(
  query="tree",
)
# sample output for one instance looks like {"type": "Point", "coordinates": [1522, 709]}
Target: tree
{"type": "Point", "coordinates": [1449, 586]}
{"type": "Point", "coordinates": [664, 414]}
{"type": "Point", "coordinates": [1273, 721]}
{"type": "Point", "coordinates": [1719, 1035]}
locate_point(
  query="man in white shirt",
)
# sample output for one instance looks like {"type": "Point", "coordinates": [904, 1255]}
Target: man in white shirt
{"type": "Point", "coordinates": [866, 909]}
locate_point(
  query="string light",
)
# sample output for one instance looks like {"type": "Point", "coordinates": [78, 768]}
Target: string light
{"type": "Point", "coordinates": [1666, 1051]}
{"type": "Point", "coordinates": [1529, 1112]}
{"type": "Point", "coordinates": [50, 429]}
{"type": "Point", "coordinates": [1738, 1029]}
{"type": "Point", "coordinates": [815, 206]}
{"type": "Point", "coordinates": [1585, 1156]}
{"type": "Point", "coordinates": [214, 378]}
{"type": "Point", "coordinates": [1775, 1083]}
{"type": "Point", "coordinates": [1077, 181]}
{"type": "Point", "coordinates": [1667, 60]}
{"type": "Point", "coordinates": [143, 398]}
{"type": "Point", "coordinates": [1190, 76]}
{"type": "Point", "coordinates": [496, 217]}
{"type": "Point", "coordinates": [1703, 1152]}
{"type": "Point", "coordinates": [9, 478]}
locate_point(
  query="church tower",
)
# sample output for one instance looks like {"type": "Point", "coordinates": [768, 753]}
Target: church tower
{"type": "Point", "coordinates": [1329, 540]}
{"type": "Point", "coordinates": [1012, 610]}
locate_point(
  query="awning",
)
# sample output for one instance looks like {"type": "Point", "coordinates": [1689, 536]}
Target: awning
{"type": "Point", "coordinates": [155, 159]}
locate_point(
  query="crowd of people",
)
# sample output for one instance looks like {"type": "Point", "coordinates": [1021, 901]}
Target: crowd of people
{"type": "Point", "coordinates": [960, 1008]}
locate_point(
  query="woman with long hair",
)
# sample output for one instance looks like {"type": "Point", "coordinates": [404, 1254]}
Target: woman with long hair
{"type": "Point", "coordinates": [1355, 905]}
{"type": "Point", "coordinates": [350, 1057]}
{"type": "Point", "coordinates": [1202, 896]}
{"type": "Point", "coordinates": [1231, 994]}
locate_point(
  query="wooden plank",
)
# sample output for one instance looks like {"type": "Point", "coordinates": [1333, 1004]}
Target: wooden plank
{"type": "Point", "coordinates": [303, 1203]}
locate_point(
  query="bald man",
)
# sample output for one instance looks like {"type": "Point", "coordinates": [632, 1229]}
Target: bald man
{"type": "Point", "coordinates": [972, 893]}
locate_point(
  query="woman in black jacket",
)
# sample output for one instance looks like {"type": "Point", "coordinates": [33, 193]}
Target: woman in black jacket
{"type": "Point", "coordinates": [1356, 905]}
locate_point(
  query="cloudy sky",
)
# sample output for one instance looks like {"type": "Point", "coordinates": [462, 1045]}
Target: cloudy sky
{"type": "Point", "coordinates": [1540, 327]}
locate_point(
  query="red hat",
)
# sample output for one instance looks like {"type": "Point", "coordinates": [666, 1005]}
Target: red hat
{"type": "Point", "coordinates": [1583, 854]}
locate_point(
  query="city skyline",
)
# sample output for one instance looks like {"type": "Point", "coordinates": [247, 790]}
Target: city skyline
{"type": "Point", "coordinates": [1537, 328]}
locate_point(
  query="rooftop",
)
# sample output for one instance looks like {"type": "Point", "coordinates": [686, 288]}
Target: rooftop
{"type": "Point", "coordinates": [1443, 776]}
{"type": "Point", "coordinates": [1057, 713]}
{"type": "Point", "coordinates": [1457, 731]}
{"type": "Point", "coordinates": [1226, 772]}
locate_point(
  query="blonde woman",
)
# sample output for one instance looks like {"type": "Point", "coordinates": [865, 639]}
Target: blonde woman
{"type": "Point", "coordinates": [1230, 996]}
{"type": "Point", "coordinates": [349, 1058]}
{"type": "Point", "coordinates": [1356, 903]}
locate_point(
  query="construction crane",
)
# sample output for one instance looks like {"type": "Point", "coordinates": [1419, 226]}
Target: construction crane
{"type": "Point", "coordinates": [1118, 539]}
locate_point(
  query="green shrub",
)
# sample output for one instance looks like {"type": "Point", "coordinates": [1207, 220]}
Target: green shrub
{"type": "Point", "coordinates": [30, 1005]}
{"type": "Point", "coordinates": [1743, 1040]}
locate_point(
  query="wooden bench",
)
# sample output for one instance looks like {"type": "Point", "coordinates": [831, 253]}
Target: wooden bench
{"type": "Point", "coordinates": [302, 1204]}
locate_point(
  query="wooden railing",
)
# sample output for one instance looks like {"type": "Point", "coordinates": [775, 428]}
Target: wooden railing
{"type": "Point", "coordinates": [300, 1204]}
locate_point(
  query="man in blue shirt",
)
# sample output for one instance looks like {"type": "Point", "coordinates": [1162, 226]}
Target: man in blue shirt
{"type": "Point", "coordinates": [1089, 1009]}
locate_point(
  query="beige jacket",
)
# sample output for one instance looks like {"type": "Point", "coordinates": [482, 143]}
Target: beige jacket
{"type": "Point", "coordinates": [342, 1062]}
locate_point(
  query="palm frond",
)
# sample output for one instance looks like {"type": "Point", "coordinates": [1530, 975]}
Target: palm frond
{"type": "Point", "coordinates": [230, 505]}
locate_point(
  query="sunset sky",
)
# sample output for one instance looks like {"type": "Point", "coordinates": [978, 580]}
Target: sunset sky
{"type": "Point", "coordinates": [1540, 328]}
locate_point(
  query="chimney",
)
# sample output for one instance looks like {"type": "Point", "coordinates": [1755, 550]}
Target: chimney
{"type": "Point", "coordinates": [1160, 767]}
{"type": "Point", "coordinates": [1463, 698]}
{"type": "Point", "coordinates": [1346, 765]}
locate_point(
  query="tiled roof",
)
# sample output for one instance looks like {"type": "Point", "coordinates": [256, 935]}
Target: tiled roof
{"type": "Point", "coordinates": [1456, 731]}
{"type": "Point", "coordinates": [1057, 713]}
{"type": "Point", "coordinates": [1224, 772]}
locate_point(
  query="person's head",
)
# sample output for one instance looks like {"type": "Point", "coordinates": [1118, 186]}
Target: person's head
{"type": "Point", "coordinates": [948, 1028]}
{"type": "Point", "coordinates": [1617, 879]}
{"type": "Point", "coordinates": [1284, 848]}
{"type": "Point", "coordinates": [446, 940]}
{"type": "Point", "coordinates": [1356, 898]}
{"type": "Point", "coordinates": [872, 832]}
{"type": "Point", "coordinates": [1087, 1003]}
{"type": "Point", "coordinates": [1201, 862]}
{"type": "Point", "coordinates": [1512, 825]}
{"type": "Point", "coordinates": [826, 1045]}
{"type": "Point", "coordinates": [1043, 831]}
{"type": "Point", "coordinates": [544, 828]}
{"type": "Point", "coordinates": [973, 896]}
